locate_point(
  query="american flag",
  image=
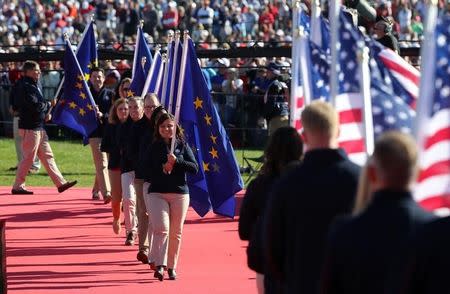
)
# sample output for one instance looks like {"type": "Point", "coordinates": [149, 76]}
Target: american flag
{"type": "Point", "coordinates": [433, 185]}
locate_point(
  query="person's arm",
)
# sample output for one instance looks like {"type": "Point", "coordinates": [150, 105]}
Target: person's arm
{"type": "Point", "coordinates": [32, 100]}
{"type": "Point", "coordinates": [186, 160]}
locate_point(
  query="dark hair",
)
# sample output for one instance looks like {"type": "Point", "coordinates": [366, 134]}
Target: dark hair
{"type": "Point", "coordinates": [155, 116]}
{"type": "Point", "coordinates": [162, 118]}
{"type": "Point", "coordinates": [29, 65]}
{"type": "Point", "coordinates": [284, 146]}
{"type": "Point", "coordinates": [96, 68]}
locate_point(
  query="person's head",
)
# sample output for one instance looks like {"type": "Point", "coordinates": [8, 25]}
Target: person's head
{"type": "Point", "coordinates": [97, 78]}
{"type": "Point", "coordinates": [284, 146]}
{"type": "Point", "coordinates": [381, 28]}
{"type": "Point", "coordinates": [320, 125]}
{"type": "Point", "coordinates": [136, 108]}
{"type": "Point", "coordinates": [157, 112]}
{"type": "Point", "coordinates": [150, 103]}
{"type": "Point", "coordinates": [124, 87]}
{"type": "Point", "coordinates": [394, 162]}
{"type": "Point", "coordinates": [119, 111]}
{"type": "Point", "coordinates": [165, 126]}
{"type": "Point", "coordinates": [32, 70]}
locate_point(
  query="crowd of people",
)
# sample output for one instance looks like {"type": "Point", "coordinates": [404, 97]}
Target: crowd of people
{"type": "Point", "coordinates": [317, 223]}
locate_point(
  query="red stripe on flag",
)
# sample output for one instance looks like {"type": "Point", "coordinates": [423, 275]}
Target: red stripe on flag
{"type": "Point", "coordinates": [350, 116]}
{"type": "Point", "coordinates": [298, 124]}
{"type": "Point", "coordinates": [353, 146]}
{"type": "Point", "coordinates": [392, 65]}
{"type": "Point", "coordinates": [300, 102]}
{"type": "Point", "coordinates": [439, 168]}
{"type": "Point", "coordinates": [434, 202]}
{"type": "Point", "coordinates": [441, 135]}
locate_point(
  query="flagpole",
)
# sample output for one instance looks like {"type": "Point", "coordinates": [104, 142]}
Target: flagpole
{"type": "Point", "coordinates": [160, 73]}
{"type": "Point", "coordinates": [427, 75]}
{"type": "Point", "coordinates": [334, 29]}
{"type": "Point", "coordinates": [61, 83]}
{"type": "Point", "coordinates": [136, 48]}
{"type": "Point", "coordinates": [294, 65]}
{"type": "Point", "coordinates": [150, 73]}
{"type": "Point", "coordinates": [316, 34]}
{"type": "Point", "coordinates": [305, 66]}
{"type": "Point", "coordinates": [166, 68]}
{"type": "Point", "coordinates": [364, 82]}
{"type": "Point", "coordinates": [174, 66]}
{"type": "Point", "coordinates": [180, 87]}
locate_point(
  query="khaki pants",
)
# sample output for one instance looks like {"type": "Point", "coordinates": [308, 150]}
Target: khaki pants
{"type": "Point", "coordinates": [168, 212]}
{"type": "Point", "coordinates": [18, 141]}
{"type": "Point", "coordinates": [141, 213]}
{"type": "Point", "coordinates": [101, 183]}
{"type": "Point", "coordinates": [36, 143]}
{"type": "Point", "coordinates": [146, 197]}
{"type": "Point", "coordinates": [129, 201]}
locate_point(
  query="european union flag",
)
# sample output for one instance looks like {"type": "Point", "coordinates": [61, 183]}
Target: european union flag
{"type": "Point", "coordinates": [157, 64]}
{"type": "Point", "coordinates": [206, 135]}
{"type": "Point", "coordinates": [76, 108]}
{"type": "Point", "coordinates": [141, 64]}
{"type": "Point", "coordinates": [87, 51]}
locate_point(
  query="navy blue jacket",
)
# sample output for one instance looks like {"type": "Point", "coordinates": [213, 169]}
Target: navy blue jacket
{"type": "Point", "coordinates": [103, 99]}
{"type": "Point", "coordinates": [139, 140]}
{"type": "Point", "coordinates": [110, 146]}
{"type": "Point", "coordinates": [175, 182]}
{"type": "Point", "coordinates": [30, 103]}
{"type": "Point", "coordinates": [300, 210]}
{"type": "Point", "coordinates": [123, 139]}
{"type": "Point", "coordinates": [367, 253]}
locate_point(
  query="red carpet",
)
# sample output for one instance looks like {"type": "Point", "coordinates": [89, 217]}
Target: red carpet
{"type": "Point", "coordinates": [63, 243]}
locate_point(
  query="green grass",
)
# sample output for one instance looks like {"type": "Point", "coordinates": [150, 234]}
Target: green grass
{"type": "Point", "coordinates": [75, 162]}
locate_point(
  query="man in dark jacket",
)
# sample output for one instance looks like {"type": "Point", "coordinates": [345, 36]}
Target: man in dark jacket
{"type": "Point", "coordinates": [33, 112]}
{"type": "Point", "coordinates": [367, 253]}
{"type": "Point", "coordinates": [103, 99]}
{"type": "Point", "coordinates": [304, 203]}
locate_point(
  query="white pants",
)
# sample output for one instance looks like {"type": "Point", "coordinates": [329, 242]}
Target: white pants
{"type": "Point", "coordinates": [129, 201]}
{"type": "Point", "coordinates": [151, 253]}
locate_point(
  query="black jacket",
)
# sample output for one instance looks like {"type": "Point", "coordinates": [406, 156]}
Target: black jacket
{"type": "Point", "coordinates": [138, 134]}
{"type": "Point", "coordinates": [301, 208]}
{"type": "Point", "coordinates": [144, 157]}
{"type": "Point", "coordinates": [429, 262]}
{"type": "Point", "coordinates": [367, 253]}
{"type": "Point", "coordinates": [110, 146]}
{"type": "Point", "coordinates": [175, 182]}
{"type": "Point", "coordinates": [103, 99]}
{"type": "Point", "coordinates": [123, 143]}
{"type": "Point", "coordinates": [28, 100]}
{"type": "Point", "coordinates": [251, 220]}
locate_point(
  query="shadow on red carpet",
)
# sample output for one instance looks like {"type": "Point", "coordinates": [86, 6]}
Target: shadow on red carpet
{"type": "Point", "coordinates": [64, 243]}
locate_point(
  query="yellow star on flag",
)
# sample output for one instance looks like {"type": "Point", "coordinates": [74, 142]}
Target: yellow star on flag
{"type": "Point", "coordinates": [205, 166]}
{"type": "Point", "coordinates": [72, 105]}
{"type": "Point", "coordinates": [213, 153]}
{"type": "Point", "coordinates": [82, 112]}
{"type": "Point", "coordinates": [130, 93]}
{"type": "Point", "coordinates": [83, 95]}
{"type": "Point", "coordinates": [79, 86]}
{"type": "Point", "coordinates": [87, 76]}
{"type": "Point", "coordinates": [80, 77]}
{"type": "Point", "coordinates": [208, 119]}
{"type": "Point", "coordinates": [198, 103]}
{"type": "Point", "coordinates": [89, 106]}
{"type": "Point", "coordinates": [213, 139]}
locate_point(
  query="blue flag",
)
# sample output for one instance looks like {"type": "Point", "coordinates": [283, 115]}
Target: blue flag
{"type": "Point", "coordinates": [87, 51]}
{"type": "Point", "coordinates": [157, 63]}
{"type": "Point", "coordinates": [141, 64]}
{"type": "Point", "coordinates": [218, 178]}
{"type": "Point", "coordinates": [76, 107]}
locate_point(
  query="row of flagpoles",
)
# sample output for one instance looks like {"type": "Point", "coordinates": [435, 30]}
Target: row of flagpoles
{"type": "Point", "coordinates": [178, 80]}
{"type": "Point", "coordinates": [375, 90]}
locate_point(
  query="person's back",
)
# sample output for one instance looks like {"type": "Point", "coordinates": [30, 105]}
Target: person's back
{"type": "Point", "coordinates": [367, 253]}
{"type": "Point", "coordinates": [304, 203]}
{"type": "Point", "coordinates": [430, 261]}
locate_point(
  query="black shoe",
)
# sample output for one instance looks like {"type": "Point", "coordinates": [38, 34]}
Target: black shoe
{"type": "Point", "coordinates": [142, 257]}
{"type": "Point", "coordinates": [130, 239]}
{"type": "Point", "coordinates": [66, 186]}
{"type": "Point", "coordinates": [107, 199]}
{"type": "Point", "coordinates": [159, 273]}
{"type": "Point", "coordinates": [21, 191]}
{"type": "Point", "coordinates": [95, 195]}
{"type": "Point", "coordinates": [172, 274]}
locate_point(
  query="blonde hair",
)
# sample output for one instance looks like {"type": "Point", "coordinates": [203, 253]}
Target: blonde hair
{"type": "Point", "coordinates": [321, 118]}
{"type": "Point", "coordinates": [395, 157]}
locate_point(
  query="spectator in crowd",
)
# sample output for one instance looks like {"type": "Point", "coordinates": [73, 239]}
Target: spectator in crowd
{"type": "Point", "coordinates": [367, 253]}
{"type": "Point", "coordinates": [383, 33]}
{"type": "Point", "coordinates": [34, 111]}
{"type": "Point", "coordinates": [151, 20]}
{"type": "Point", "coordinates": [205, 15]}
{"type": "Point", "coordinates": [296, 219]}
{"type": "Point", "coordinates": [232, 87]}
{"type": "Point", "coordinates": [170, 17]}
{"type": "Point", "coordinates": [169, 194]}
{"type": "Point", "coordinates": [118, 115]}
{"type": "Point", "coordinates": [137, 141]}
{"type": "Point", "coordinates": [103, 98]}
{"type": "Point", "coordinates": [283, 151]}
